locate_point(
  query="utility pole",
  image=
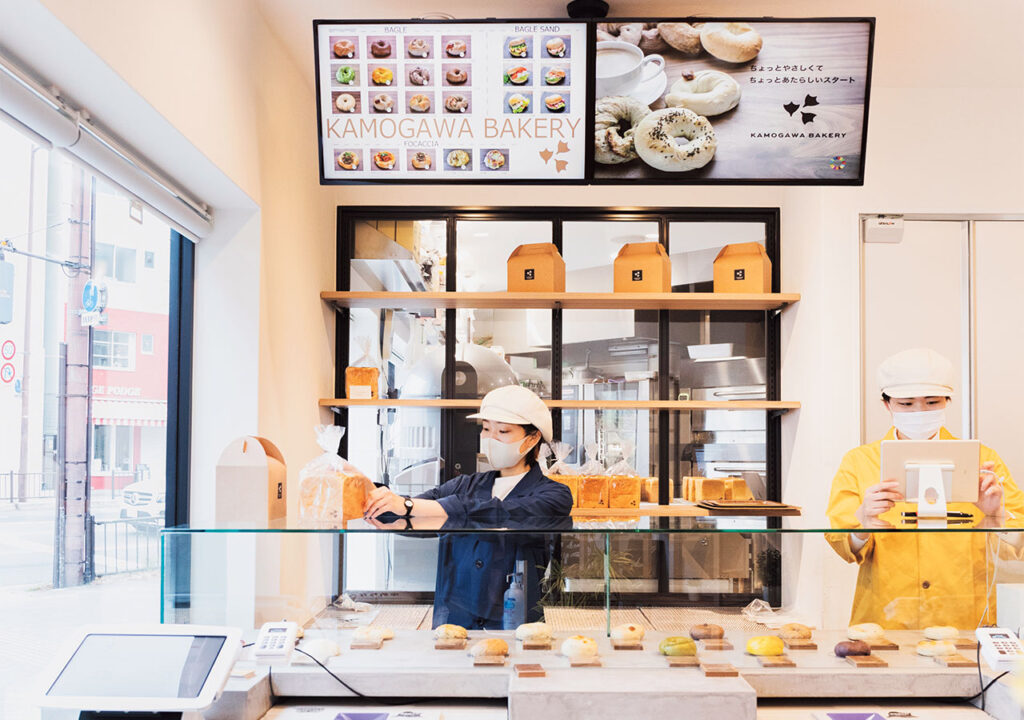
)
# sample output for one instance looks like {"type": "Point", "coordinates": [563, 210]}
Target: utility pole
{"type": "Point", "coordinates": [26, 357]}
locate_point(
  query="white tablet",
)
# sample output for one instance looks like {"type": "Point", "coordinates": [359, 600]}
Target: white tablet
{"type": "Point", "coordinates": [149, 668]}
{"type": "Point", "coordinates": [960, 460]}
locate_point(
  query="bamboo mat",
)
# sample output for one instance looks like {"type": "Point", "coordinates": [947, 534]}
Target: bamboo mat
{"type": "Point", "coordinates": [682, 619]}
{"type": "Point", "coordinates": [562, 619]}
{"type": "Point", "coordinates": [402, 617]}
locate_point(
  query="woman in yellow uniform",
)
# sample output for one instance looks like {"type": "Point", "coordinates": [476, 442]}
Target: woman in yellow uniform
{"type": "Point", "coordinates": [911, 580]}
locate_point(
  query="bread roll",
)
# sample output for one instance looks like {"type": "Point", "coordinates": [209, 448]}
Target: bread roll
{"type": "Point", "coordinates": [677, 646]}
{"type": "Point", "coordinates": [624, 491]}
{"type": "Point", "coordinates": [935, 648]}
{"type": "Point", "coordinates": [707, 632]}
{"type": "Point", "coordinates": [865, 631]}
{"type": "Point", "coordinates": [628, 632]}
{"type": "Point", "coordinates": [846, 648]}
{"type": "Point", "coordinates": [450, 632]}
{"type": "Point", "coordinates": [765, 645]}
{"type": "Point", "coordinates": [579, 647]}
{"type": "Point", "coordinates": [489, 647]}
{"type": "Point", "coordinates": [794, 631]}
{"type": "Point", "coordinates": [941, 632]}
{"type": "Point", "coordinates": [593, 491]}
{"type": "Point", "coordinates": [533, 632]}
{"type": "Point", "coordinates": [368, 635]}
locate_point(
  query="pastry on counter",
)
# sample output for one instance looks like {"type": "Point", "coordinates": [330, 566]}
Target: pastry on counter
{"type": "Point", "coordinates": [765, 645]}
{"type": "Point", "coordinates": [579, 647]}
{"type": "Point", "coordinates": [489, 647]}
{"type": "Point", "coordinates": [707, 632]}
{"type": "Point", "coordinates": [941, 632]}
{"type": "Point", "coordinates": [537, 632]}
{"type": "Point", "coordinates": [628, 632]}
{"type": "Point", "coordinates": [794, 631]}
{"type": "Point", "coordinates": [936, 648]}
{"type": "Point", "coordinates": [370, 634]}
{"type": "Point", "coordinates": [450, 632]}
{"type": "Point", "coordinates": [677, 646]}
{"type": "Point", "coordinates": [869, 632]}
{"type": "Point", "coordinates": [846, 648]}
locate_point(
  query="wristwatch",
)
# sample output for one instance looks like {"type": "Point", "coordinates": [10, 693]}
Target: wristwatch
{"type": "Point", "coordinates": [408, 506]}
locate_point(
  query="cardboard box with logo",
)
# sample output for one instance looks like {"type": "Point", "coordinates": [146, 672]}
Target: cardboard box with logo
{"type": "Point", "coordinates": [743, 268]}
{"type": "Point", "coordinates": [250, 487]}
{"type": "Point", "coordinates": [643, 267]}
{"type": "Point", "coordinates": [536, 267]}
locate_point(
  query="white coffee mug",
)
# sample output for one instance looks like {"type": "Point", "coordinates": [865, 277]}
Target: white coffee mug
{"type": "Point", "coordinates": [622, 67]}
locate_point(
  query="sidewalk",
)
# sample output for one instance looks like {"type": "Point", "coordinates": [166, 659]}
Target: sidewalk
{"type": "Point", "coordinates": [38, 621]}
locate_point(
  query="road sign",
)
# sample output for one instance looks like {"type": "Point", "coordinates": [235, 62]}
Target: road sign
{"type": "Point", "coordinates": [8, 349]}
{"type": "Point", "coordinates": [90, 297]}
{"type": "Point", "coordinates": [6, 372]}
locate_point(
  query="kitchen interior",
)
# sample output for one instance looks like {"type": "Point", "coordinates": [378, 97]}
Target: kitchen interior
{"type": "Point", "coordinates": [604, 355]}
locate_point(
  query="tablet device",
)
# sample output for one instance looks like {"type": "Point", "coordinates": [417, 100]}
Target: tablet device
{"type": "Point", "coordinates": [960, 461]}
{"type": "Point", "coordinates": [151, 668]}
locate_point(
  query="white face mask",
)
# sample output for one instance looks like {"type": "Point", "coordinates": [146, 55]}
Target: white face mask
{"type": "Point", "coordinates": [919, 425]}
{"type": "Point", "coordinates": [502, 455]}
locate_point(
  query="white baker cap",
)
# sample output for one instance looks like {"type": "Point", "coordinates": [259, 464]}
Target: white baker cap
{"type": "Point", "coordinates": [920, 372]}
{"type": "Point", "coordinates": [517, 405]}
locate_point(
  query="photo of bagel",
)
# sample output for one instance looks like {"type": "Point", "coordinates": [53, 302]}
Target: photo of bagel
{"type": "Point", "coordinates": [689, 101]}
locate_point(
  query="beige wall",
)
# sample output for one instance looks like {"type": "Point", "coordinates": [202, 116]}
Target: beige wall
{"type": "Point", "coordinates": [943, 137]}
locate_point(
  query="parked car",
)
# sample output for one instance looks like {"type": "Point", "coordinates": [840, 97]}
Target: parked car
{"type": "Point", "coordinates": [144, 503]}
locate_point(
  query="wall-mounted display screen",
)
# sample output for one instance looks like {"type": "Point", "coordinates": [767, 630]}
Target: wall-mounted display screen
{"type": "Point", "coordinates": [455, 101]}
{"type": "Point", "coordinates": [718, 102]}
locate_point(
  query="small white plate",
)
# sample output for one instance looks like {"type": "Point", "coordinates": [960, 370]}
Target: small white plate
{"type": "Point", "coordinates": [649, 91]}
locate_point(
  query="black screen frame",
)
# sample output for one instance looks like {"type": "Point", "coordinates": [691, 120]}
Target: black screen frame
{"type": "Point", "coordinates": [589, 176]}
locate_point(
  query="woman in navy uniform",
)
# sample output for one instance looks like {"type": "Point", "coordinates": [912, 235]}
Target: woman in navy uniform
{"type": "Point", "coordinates": [472, 569]}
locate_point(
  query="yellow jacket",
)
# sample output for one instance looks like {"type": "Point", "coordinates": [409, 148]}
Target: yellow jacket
{"type": "Point", "coordinates": [911, 580]}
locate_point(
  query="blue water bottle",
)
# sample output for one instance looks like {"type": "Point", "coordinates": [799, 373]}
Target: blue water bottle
{"type": "Point", "coordinates": [514, 613]}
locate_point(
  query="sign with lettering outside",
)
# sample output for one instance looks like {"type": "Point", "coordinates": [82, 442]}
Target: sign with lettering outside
{"type": "Point", "coordinates": [456, 101]}
{"type": "Point", "coordinates": [732, 101]}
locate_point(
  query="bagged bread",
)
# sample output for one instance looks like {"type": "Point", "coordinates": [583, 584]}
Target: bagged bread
{"type": "Point", "coordinates": [331, 489]}
{"type": "Point", "coordinates": [561, 451]}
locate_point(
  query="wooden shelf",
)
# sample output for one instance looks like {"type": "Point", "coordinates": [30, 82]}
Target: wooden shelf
{"type": "Point", "coordinates": [606, 514]}
{"type": "Point", "coordinates": [565, 301]}
{"type": "Point", "coordinates": [777, 405]}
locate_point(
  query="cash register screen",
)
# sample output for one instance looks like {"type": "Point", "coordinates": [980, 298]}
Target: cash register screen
{"type": "Point", "coordinates": [154, 666]}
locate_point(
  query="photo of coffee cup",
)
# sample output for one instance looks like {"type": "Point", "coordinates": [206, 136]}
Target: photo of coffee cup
{"type": "Point", "coordinates": [622, 67]}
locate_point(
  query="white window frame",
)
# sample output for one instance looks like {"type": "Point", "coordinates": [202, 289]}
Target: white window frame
{"type": "Point", "coordinates": [109, 357]}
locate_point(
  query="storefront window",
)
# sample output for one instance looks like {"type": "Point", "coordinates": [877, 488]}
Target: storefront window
{"type": "Point", "coordinates": [113, 350]}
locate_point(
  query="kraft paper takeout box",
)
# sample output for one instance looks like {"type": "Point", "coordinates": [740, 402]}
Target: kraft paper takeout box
{"type": "Point", "coordinates": [643, 267]}
{"type": "Point", "coordinates": [743, 268]}
{"type": "Point", "coordinates": [251, 484]}
{"type": "Point", "coordinates": [536, 267]}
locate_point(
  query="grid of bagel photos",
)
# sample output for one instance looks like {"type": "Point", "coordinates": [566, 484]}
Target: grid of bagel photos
{"type": "Point", "coordinates": [433, 75]}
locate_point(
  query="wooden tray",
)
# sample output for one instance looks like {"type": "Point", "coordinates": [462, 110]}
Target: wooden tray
{"type": "Point", "coordinates": [690, 661]}
{"type": "Point", "coordinates": [866, 661]}
{"type": "Point", "coordinates": [719, 670]}
{"type": "Point", "coordinates": [489, 660]}
{"type": "Point", "coordinates": [451, 644]}
{"type": "Point", "coordinates": [715, 645]}
{"type": "Point", "coordinates": [529, 670]}
{"type": "Point", "coordinates": [535, 645]}
{"type": "Point", "coordinates": [627, 644]}
{"type": "Point", "coordinates": [366, 645]}
{"type": "Point", "coordinates": [883, 644]}
{"type": "Point", "coordinates": [585, 662]}
{"type": "Point", "coordinates": [775, 661]}
{"type": "Point", "coordinates": [800, 644]}
{"type": "Point", "coordinates": [955, 661]}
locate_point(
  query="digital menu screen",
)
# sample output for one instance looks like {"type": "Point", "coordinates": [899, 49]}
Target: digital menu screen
{"type": "Point", "coordinates": [731, 101]}
{"type": "Point", "coordinates": [442, 102]}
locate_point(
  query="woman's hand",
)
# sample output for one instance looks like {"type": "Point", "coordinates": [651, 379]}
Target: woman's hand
{"type": "Point", "coordinates": [382, 500]}
{"type": "Point", "coordinates": [990, 491]}
{"type": "Point", "coordinates": [877, 500]}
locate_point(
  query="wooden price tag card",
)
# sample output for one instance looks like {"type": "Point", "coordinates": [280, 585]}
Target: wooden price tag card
{"type": "Point", "coordinates": [800, 644]}
{"type": "Point", "coordinates": [883, 644]}
{"type": "Point", "coordinates": [536, 645]}
{"type": "Point", "coordinates": [366, 644]}
{"type": "Point", "coordinates": [690, 661]}
{"type": "Point", "coordinates": [866, 661]}
{"type": "Point", "coordinates": [955, 661]}
{"type": "Point", "coordinates": [775, 661]}
{"type": "Point", "coordinates": [719, 670]}
{"type": "Point", "coordinates": [451, 644]}
{"type": "Point", "coordinates": [490, 660]}
{"type": "Point", "coordinates": [529, 670]}
{"type": "Point", "coordinates": [627, 645]}
{"type": "Point", "coordinates": [585, 662]}
{"type": "Point", "coordinates": [714, 645]}
{"type": "Point", "coordinates": [965, 644]}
